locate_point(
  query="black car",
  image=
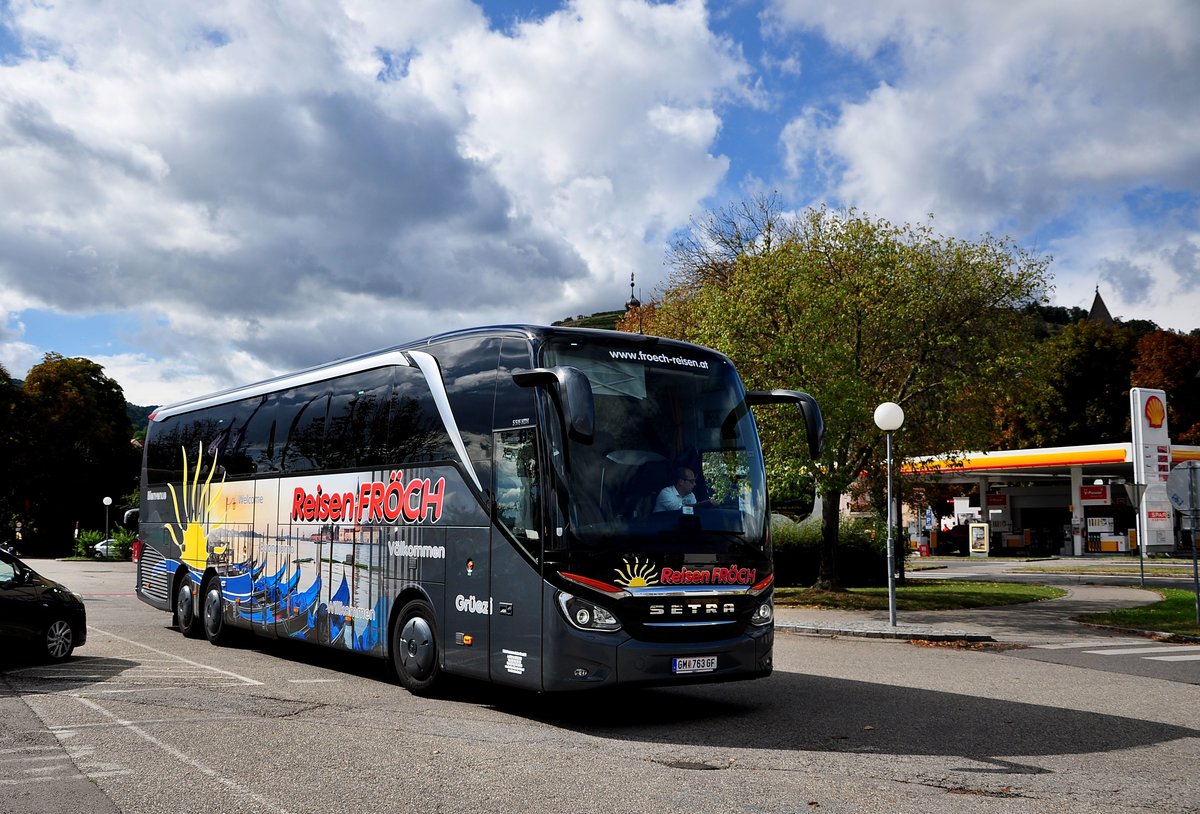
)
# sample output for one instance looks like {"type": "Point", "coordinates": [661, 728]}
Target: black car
{"type": "Point", "coordinates": [38, 612]}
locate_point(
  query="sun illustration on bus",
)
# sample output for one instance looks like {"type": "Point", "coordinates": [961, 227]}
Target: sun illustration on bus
{"type": "Point", "coordinates": [637, 574]}
{"type": "Point", "coordinates": [192, 517]}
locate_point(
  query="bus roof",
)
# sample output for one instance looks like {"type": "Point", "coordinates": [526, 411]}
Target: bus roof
{"type": "Point", "coordinates": [392, 356]}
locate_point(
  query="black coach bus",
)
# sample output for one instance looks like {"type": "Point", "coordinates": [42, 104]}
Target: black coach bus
{"type": "Point", "coordinates": [505, 503]}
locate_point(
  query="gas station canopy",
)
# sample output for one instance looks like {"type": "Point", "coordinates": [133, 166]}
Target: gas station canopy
{"type": "Point", "coordinates": [1108, 461]}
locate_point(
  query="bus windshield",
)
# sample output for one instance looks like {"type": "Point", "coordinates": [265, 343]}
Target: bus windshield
{"type": "Point", "coordinates": [674, 453]}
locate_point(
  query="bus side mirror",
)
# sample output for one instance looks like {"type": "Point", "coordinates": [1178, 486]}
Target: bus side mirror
{"type": "Point", "coordinates": [814, 422]}
{"type": "Point", "coordinates": [574, 393]}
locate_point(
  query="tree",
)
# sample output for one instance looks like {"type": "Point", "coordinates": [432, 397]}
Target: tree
{"type": "Point", "coordinates": [855, 311]}
{"type": "Point", "coordinates": [82, 452]}
{"type": "Point", "coordinates": [12, 446]}
{"type": "Point", "coordinates": [1077, 392]}
{"type": "Point", "coordinates": [1171, 361]}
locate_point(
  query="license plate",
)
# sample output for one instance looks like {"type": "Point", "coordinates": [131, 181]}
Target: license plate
{"type": "Point", "coordinates": [694, 664]}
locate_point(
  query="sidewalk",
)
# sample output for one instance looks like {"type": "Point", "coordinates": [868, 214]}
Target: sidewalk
{"type": "Point", "coordinates": [1047, 622]}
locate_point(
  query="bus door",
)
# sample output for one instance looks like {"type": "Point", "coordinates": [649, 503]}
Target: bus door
{"type": "Point", "coordinates": [516, 584]}
{"type": "Point", "coordinates": [468, 606]}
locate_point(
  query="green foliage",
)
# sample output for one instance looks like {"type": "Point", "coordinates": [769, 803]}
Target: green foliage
{"type": "Point", "coordinates": [861, 553]}
{"type": "Point", "coordinates": [72, 448]}
{"type": "Point", "coordinates": [1077, 393]}
{"type": "Point", "coordinates": [606, 320]}
{"type": "Point", "coordinates": [13, 442]}
{"type": "Point", "coordinates": [85, 541]}
{"type": "Point", "coordinates": [124, 543]}
{"type": "Point", "coordinates": [856, 311]}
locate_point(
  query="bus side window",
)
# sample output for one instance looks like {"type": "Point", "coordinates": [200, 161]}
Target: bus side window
{"type": "Point", "coordinates": [243, 433]}
{"type": "Point", "coordinates": [414, 429]}
{"type": "Point", "coordinates": [469, 372]}
{"type": "Point", "coordinates": [518, 499]}
{"type": "Point", "coordinates": [305, 409]}
{"type": "Point", "coordinates": [358, 416]}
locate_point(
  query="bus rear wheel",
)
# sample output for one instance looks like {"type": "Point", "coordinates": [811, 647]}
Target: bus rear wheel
{"type": "Point", "coordinates": [415, 649]}
{"type": "Point", "coordinates": [185, 608]}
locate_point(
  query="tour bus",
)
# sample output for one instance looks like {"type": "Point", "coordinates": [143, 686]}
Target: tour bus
{"type": "Point", "coordinates": [484, 503]}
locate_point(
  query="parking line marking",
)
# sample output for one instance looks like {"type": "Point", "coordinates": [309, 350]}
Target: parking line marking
{"type": "Point", "coordinates": [1092, 643]}
{"type": "Point", "coordinates": [184, 758]}
{"type": "Point", "coordinates": [1140, 651]}
{"type": "Point", "coordinates": [240, 678]}
{"type": "Point", "coordinates": [312, 680]}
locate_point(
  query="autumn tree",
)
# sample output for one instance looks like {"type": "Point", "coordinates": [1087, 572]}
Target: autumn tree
{"type": "Point", "coordinates": [1170, 361]}
{"type": "Point", "coordinates": [79, 449]}
{"type": "Point", "coordinates": [856, 311]}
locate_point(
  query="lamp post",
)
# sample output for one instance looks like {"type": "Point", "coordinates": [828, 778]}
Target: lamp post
{"type": "Point", "coordinates": [107, 503]}
{"type": "Point", "coordinates": [889, 417]}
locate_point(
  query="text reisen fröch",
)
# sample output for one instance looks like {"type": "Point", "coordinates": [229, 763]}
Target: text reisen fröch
{"type": "Point", "coordinates": [417, 500]}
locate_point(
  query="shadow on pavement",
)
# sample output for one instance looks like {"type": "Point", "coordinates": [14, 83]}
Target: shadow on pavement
{"type": "Point", "coordinates": [810, 713]}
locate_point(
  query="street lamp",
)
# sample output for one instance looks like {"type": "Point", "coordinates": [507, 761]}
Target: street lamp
{"type": "Point", "coordinates": [889, 417]}
{"type": "Point", "coordinates": [107, 503]}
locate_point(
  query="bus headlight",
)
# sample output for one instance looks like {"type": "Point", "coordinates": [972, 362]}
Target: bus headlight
{"type": "Point", "coordinates": [763, 614]}
{"type": "Point", "coordinates": [587, 615]}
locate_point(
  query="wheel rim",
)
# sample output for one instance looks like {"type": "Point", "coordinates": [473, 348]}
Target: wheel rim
{"type": "Point", "coordinates": [183, 604]}
{"type": "Point", "coordinates": [59, 639]}
{"type": "Point", "coordinates": [417, 649]}
{"type": "Point", "coordinates": [212, 611]}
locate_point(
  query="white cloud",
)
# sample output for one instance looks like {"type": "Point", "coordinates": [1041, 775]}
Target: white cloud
{"type": "Point", "coordinates": [598, 119]}
{"type": "Point", "coordinates": [1018, 118]}
{"type": "Point", "coordinates": [1138, 279]}
{"type": "Point", "coordinates": [261, 188]}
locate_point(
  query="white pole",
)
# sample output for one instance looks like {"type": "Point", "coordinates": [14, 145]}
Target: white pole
{"type": "Point", "coordinates": [891, 548]}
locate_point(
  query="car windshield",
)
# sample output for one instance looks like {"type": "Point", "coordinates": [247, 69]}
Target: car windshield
{"type": "Point", "coordinates": [8, 568]}
{"type": "Point", "coordinates": [674, 453]}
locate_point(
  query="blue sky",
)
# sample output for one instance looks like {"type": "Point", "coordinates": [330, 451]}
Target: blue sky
{"type": "Point", "coordinates": [199, 195]}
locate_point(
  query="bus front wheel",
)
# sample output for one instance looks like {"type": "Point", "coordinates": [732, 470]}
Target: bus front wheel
{"type": "Point", "coordinates": [415, 648]}
{"type": "Point", "coordinates": [185, 608]}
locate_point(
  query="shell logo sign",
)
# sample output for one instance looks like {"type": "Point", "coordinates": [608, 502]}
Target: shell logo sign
{"type": "Point", "coordinates": [1156, 412]}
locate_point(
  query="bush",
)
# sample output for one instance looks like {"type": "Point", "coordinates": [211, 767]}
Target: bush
{"type": "Point", "coordinates": [860, 558]}
{"type": "Point", "coordinates": [85, 541]}
{"type": "Point", "coordinates": [124, 547]}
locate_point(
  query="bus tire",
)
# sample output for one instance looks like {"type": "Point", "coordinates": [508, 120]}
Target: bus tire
{"type": "Point", "coordinates": [415, 649]}
{"type": "Point", "coordinates": [213, 612]}
{"type": "Point", "coordinates": [185, 608]}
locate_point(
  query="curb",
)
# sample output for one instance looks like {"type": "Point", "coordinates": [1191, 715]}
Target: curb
{"type": "Point", "coordinates": [1158, 635]}
{"type": "Point", "coordinates": [881, 631]}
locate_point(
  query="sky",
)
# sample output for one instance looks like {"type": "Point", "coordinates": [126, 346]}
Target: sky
{"type": "Point", "coordinates": [199, 195]}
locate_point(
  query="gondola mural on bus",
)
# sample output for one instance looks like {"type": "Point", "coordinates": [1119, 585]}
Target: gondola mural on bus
{"type": "Point", "coordinates": [226, 526]}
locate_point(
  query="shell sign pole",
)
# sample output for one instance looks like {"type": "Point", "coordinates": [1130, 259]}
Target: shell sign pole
{"type": "Point", "coordinates": [1152, 466]}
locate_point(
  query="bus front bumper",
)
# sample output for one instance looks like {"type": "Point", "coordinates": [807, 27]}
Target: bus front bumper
{"type": "Point", "coordinates": [587, 661]}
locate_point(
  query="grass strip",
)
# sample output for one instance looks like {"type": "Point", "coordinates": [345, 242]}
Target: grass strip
{"type": "Point", "coordinates": [920, 595]}
{"type": "Point", "coordinates": [1176, 613]}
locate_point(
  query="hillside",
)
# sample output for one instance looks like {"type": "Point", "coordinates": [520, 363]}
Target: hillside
{"type": "Point", "coordinates": [602, 319]}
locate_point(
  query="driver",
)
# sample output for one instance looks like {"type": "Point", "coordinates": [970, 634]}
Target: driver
{"type": "Point", "coordinates": [681, 493]}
